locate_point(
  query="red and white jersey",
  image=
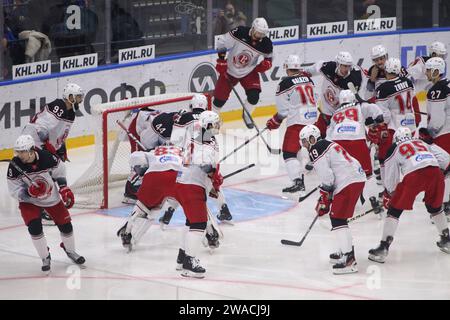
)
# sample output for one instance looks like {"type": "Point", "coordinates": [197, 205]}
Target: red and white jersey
{"type": "Point", "coordinates": [409, 155]}
{"type": "Point", "coordinates": [243, 52]}
{"type": "Point", "coordinates": [372, 86]}
{"type": "Point", "coordinates": [46, 169]}
{"type": "Point", "coordinates": [417, 73]}
{"type": "Point", "coordinates": [394, 97]}
{"type": "Point", "coordinates": [349, 121]}
{"type": "Point", "coordinates": [53, 123]}
{"type": "Point", "coordinates": [332, 83]}
{"type": "Point", "coordinates": [144, 119]}
{"type": "Point", "coordinates": [296, 100]}
{"type": "Point", "coordinates": [438, 108]}
{"type": "Point", "coordinates": [203, 158]}
{"type": "Point", "coordinates": [334, 166]}
{"type": "Point", "coordinates": [162, 158]}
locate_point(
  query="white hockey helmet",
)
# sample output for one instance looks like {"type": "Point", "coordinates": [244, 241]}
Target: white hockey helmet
{"type": "Point", "coordinates": [438, 48]}
{"type": "Point", "coordinates": [199, 101]}
{"type": "Point", "coordinates": [260, 25]}
{"type": "Point", "coordinates": [24, 143]}
{"type": "Point", "coordinates": [378, 51]}
{"type": "Point", "coordinates": [393, 65]}
{"type": "Point", "coordinates": [435, 63]}
{"type": "Point", "coordinates": [344, 58]}
{"type": "Point", "coordinates": [306, 133]}
{"type": "Point", "coordinates": [346, 96]}
{"type": "Point", "coordinates": [209, 120]}
{"type": "Point", "coordinates": [402, 133]}
{"type": "Point", "coordinates": [292, 62]}
{"type": "Point", "coordinates": [72, 89]}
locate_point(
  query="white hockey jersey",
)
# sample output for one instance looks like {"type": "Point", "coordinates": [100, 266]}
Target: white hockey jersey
{"type": "Point", "coordinates": [438, 108]}
{"type": "Point", "coordinates": [349, 121]}
{"type": "Point", "coordinates": [334, 166]}
{"type": "Point", "coordinates": [296, 100]}
{"type": "Point", "coordinates": [417, 73]}
{"type": "Point", "coordinates": [52, 123]}
{"type": "Point", "coordinates": [372, 86]}
{"type": "Point", "coordinates": [394, 97]}
{"type": "Point", "coordinates": [203, 159]}
{"type": "Point", "coordinates": [48, 169]}
{"type": "Point", "coordinates": [410, 155]}
{"type": "Point", "coordinates": [162, 158]}
{"type": "Point", "coordinates": [243, 52]}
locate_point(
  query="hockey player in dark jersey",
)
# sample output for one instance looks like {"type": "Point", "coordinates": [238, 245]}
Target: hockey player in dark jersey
{"type": "Point", "coordinates": [245, 46]}
{"type": "Point", "coordinates": [37, 179]}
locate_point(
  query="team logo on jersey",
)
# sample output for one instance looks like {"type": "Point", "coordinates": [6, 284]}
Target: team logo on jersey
{"type": "Point", "coordinates": [165, 159]}
{"type": "Point", "coordinates": [346, 129]}
{"type": "Point", "coordinates": [407, 122]}
{"type": "Point", "coordinates": [310, 115]}
{"type": "Point", "coordinates": [422, 157]}
{"type": "Point", "coordinates": [203, 78]}
{"type": "Point", "coordinates": [330, 96]}
{"type": "Point", "coordinates": [243, 59]}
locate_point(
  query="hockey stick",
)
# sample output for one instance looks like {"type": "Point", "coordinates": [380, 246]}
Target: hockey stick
{"type": "Point", "coordinates": [132, 137]}
{"type": "Point", "coordinates": [298, 244]}
{"type": "Point", "coordinates": [271, 150]}
{"type": "Point", "coordinates": [352, 88]}
{"type": "Point", "coordinates": [238, 171]}
{"type": "Point", "coordinates": [308, 194]}
{"type": "Point", "coordinates": [242, 145]}
{"type": "Point", "coordinates": [21, 172]}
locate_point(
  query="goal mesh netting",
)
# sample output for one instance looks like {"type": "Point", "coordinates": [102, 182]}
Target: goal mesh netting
{"type": "Point", "coordinates": [110, 167]}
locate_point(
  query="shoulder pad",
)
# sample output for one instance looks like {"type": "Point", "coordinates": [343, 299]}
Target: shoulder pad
{"type": "Point", "coordinates": [319, 149]}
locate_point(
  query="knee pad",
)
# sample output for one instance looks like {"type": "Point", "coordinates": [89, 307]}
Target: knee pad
{"type": "Point", "coordinates": [433, 211]}
{"type": "Point", "coordinates": [219, 103]}
{"type": "Point", "coordinates": [66, 228]}
{"type": "Point", "coordinates": [289, 155]}
{"type": "Point", "coordinates": [252, 96]}
{"type": "Point", "coordinates": [394, 212]}
{"type": "Point", "coordinates": [335, 223]}
{"type": "Point", "coordinates": [35, 227]}
{"type": "Point", "coordinates": [197, 226]}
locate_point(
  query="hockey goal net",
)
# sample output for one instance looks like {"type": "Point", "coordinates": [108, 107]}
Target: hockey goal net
{"type": "Point", "coordinates": [110, 167]}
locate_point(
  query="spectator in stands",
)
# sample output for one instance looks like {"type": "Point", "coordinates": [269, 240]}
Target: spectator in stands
{"type": "Point", "coordinates": [229, 19]}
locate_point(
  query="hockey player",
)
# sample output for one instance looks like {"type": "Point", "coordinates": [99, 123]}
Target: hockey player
{"type": "Point", "coordinates": [37, 179]}
{"type": "Point", "coordinates": [347, 127]}
{"type": "Point", "coordinates": [342, 182]}
{"type": "Point", "coordinates": [419, 164]}
{"type": "Point", "coordinates": [394, 97]}
{"type": "Point", "coordinates": [191, 187]}
{"type": "Point", "coordinates": [295, 100]}
{"type": "Point", "coordinates": [245, 46]}
{"type": "Point", "coordinates": [438, 109]}
{"type": "Point", "coordinates": [417, 69]}
{"type": "Point", "coordinates": [337, 75]}
{"type": "Point", "coordinates": [50, 127]}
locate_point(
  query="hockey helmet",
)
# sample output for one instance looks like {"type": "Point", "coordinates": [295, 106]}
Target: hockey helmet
{"type": "Point", "coordinates": [260, 25]}
{"type": "Point", "coordinates": [308, 132]}
{"type": "Point", "coordinates": [435, 63]}
{"type": "Point", "coordinates": [199, 101]}
{"type": "Point", "coordinates": [346, 96]}
{"type": "Point", "coordinates": [402, 133]}
{"type": "Point", "coordinates": [209, 120]}
{"type": "Point", "coordinates": [438, 48]}
{"type": "Point", "coordinates": [378, 51]}
{"type": "Point", "coordinates": [24, 143]}
{"type": "Point", "coordinates": [292, 62]}
{"type": "Point", "coordinates": [393, 65]}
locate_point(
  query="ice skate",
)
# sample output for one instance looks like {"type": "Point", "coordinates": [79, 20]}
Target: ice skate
{"type": "Point", "coordinates": [125, 237]}
{"type": "Point", "coordinates": [347, 264]}
{"type": "Point", "coordinates": [298, 188]}
{"type": "Point", "coordinates": [180, 259]}
{"type": "Point", "coordinates": [224, 215]}
{"type": "Point", "coordinates": [444, 242]}
{"type": "Point", "coordinates": [379, 254]}
{"type": "Point", "coordinates": [335, 257]}
{"type": "Point", "coordinates": [166, 217]}
{"type": "Point", "coordinates": [46, 264]}
{"type": "Point", "coordinates": [192, 268]}
{"type": "Point", "coordinates": [211, 239]}
{"type": "Point", "coordinates": [75, 257]}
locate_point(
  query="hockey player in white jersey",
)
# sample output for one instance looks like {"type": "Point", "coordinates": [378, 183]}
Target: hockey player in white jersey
{"type": "Point", "coordinates": [342, 182]}
{"type": "Point", "coordinates": [394, 97]}
{"type": "Point", "coordinates": [417, 69]}
{"type": "Point", "coordinates": [412, 167]}
{"type": "Point", "coordinates": [438, 109]}
{"type": "Point", "coordinates": [295, 102]}
{"type": "Point", "coordinates": [245, 46]}
{"type": "Point", "coordinates": [191, 188]}
{"type": "Point", "coordinates": [37, 179]}
{"type": "Point", "coordinates": [348, 127]}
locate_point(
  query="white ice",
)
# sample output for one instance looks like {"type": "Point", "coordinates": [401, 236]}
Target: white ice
{"type": "Point", "coordinates": [251, 263]}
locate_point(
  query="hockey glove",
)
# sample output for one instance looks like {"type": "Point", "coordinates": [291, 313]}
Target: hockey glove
{"type": "Point", "coordinates": [425, 136]}
{"type": "Point", "coordinates": [263, 66]}
{"type": "Point", "coordinates": [49, 147]}
{"type": "Point", "coordinates": [221, 66]}
{"type": "Point", "coordinates": [217, 178]}
{"type": "Point", "coordinates": [62, 153]}
{"type": "Point", "coordinates": [67, 197]}
{"type": "Point", "coordinates": [273, 123]}
{"type": "Point", "coordinates": [386, 199]}
{"type": "Point", "coordinates": [324, 202]}
{"type": "Point", "coordinates": [377, 133]}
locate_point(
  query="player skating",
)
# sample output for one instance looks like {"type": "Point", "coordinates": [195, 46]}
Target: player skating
{"type": "Point", "coordinates": [245, 46]}
{"type": "Point", "coordinates": [342, 182]}
{"type": "Point", "coordinates": [295, 102]}
{"type": "Point", "coordinates": [420, 166]}
{"type": "Point", "coordinates": [37, 179]}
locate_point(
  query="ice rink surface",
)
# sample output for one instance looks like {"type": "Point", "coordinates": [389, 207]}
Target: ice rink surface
{"type": "Point", "coordinates": [251, 263]}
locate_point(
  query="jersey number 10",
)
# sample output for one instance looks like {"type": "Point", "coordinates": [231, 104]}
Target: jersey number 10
{"type": "Point", "coordinates": [306, 93]}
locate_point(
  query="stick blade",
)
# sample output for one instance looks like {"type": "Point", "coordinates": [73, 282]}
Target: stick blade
{"type": "Point", "coordinates": [291, 243]}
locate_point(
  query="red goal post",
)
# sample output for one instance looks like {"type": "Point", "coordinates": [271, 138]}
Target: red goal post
{"type": "Point", "coordinates": [110, 167]}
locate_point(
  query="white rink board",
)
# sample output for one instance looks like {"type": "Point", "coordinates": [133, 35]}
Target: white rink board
{"type": "Point", "coordinates": [175, 76]}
